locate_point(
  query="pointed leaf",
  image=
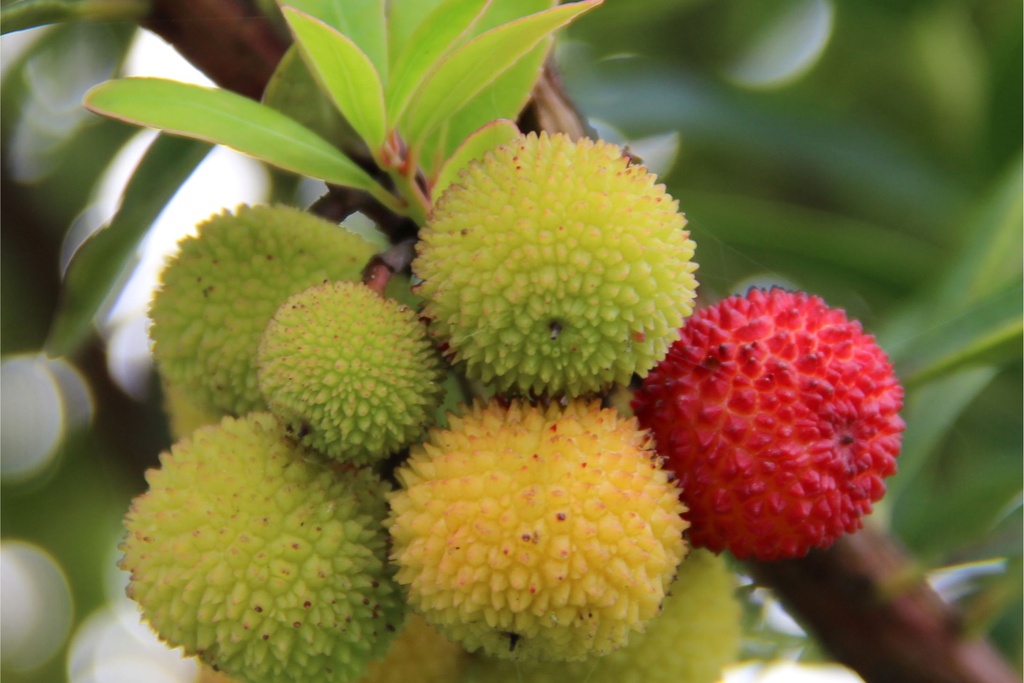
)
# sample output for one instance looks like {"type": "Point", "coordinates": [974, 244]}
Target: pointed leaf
{"type": "Point", "coordinates": [475, 147]}
{"type": "Point", "coordinates": [403, 18]}
{"type": "Point", "coordinates": [502, 99]}
{"type": "Point", "coordinates": [294, 91]}
{"type": "Point", "coordinates": [225, 118]}
{"type": "Point", "coordinates": [345, 73]}
{"type": "Point", "coordinates": [436, 37]}
{"type": "Point", "coordinates": [990, 332]}
{"type": "Point", "coordinates": [930, 412]}
{"type": "Point", "coordinates": [990, 253]}
{"type": "Point", "coordinates": [99, 263]}
{"type": "Point", "coordinates": [476, 64]}
{"type": "Point", "coordinates": [361, 21]}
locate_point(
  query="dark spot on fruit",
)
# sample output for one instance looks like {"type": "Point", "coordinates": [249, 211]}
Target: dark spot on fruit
{"type": "Point", "coordinates": [560, 516]}
{"type": "Point", "coordinates": [297, 624]}
{"type": "Point", "coordinates": [266, 636]}
{"type": "Point", "coordinates": [304, 429]}
{"type": "Point", "coordinates": [206, 292]}
{"type": "Point", "coordinates": [846, 439]}
{"type": "Point", "coordinates": [307, 604]}
{"type": "Point", "coordinates": [556, 329]}
{"type": "Point", "coordinates": [258, 608]}
{"type": "Point", "coordinates": [389, 627]}
{"type": "Point", "coordinates": [366, 601]}
{"type": "Point", "coordinates": [526, 538]}
{"type": "Point", "coordinates": [513, 640]}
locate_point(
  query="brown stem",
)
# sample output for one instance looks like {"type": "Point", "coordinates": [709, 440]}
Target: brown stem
{"type": "Point", "coordinates": [856, 599]}
{"type": "Point", "coordinates": [228, 40]}
{"type": "Point", "coordinates": [909, 638]}
{"type": "Point", "coordinates": [377, 275]}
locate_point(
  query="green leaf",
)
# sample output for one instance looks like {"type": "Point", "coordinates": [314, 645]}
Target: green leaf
{"type": "Point", "coordinates": [27, 14]}
{"type": "Point", "coordinates": [98, 264]}
{"type": "Point", "coordinates": [502, 99]}
{"type": "Point", "coordinates": [345, 73]}
{"type": "Point", "coordinates": [990, 332]}
{"type": "Point", "coordinates": [870, 252]}
{"type": "Point", "coordinates": [361, 21]}
{"type": "Point", "coordinates": [475, 147]}
{"type": "Point", "coordinates": [478, 63]}
{"type": "Point", "coordinates": [294, 91]}
{"type": "Point", "coordinates": [930, 413]}
{"type": "Point", "coordinates": [435, 38]}
{"type": "Point", "coordinates": [403, 18]}
{"type": "Point", "coordinates": [222, 117]}
{"type": "Point", "coordinates": [992, 242]}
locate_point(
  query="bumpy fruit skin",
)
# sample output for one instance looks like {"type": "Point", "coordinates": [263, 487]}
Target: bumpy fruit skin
{"type": "Point", "coordinates": [419, 655]}
{"type": "Point", "coordinates": [536, 533]}
{"type": "Point", "coordinates": [696, 635]}
{"type": "Point", "coordinates": [265, 562]}
{"type": "Point", "coordinates": [219, 292]}
{"type": "Point", "coordinates": [353, 374]}
{"type": "Point", "coordinates": [555, 267]}
{"type": "Point", "coordinates": [781, 419]}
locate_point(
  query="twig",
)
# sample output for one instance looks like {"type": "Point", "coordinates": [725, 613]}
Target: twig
{"type": "Point", "coordinates": [905, 636]}
{"type": "Point", "coordinates": [228, 40]}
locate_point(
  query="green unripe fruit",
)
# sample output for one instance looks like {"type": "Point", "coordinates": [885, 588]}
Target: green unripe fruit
{"type": "Point", "coordinates": [556, 267]}
{"type": "Point", "coordinates": [269, 564]}
{"type": "Point", "coordinates": [219, 292]}
{"type": "Point", "coordinates": [695, 636]}
{"type": "Point", "coordinates": [351, 373]}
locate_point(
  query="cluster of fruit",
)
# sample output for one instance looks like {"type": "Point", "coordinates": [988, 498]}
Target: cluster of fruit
{"type": "Point", "coordinates": [535, 525]}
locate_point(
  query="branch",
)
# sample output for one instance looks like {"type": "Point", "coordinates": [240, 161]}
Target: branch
{"type": "Point", "coordinates": [228, 40]}
{"type": "Point", "coordinates": [907, 638]}
{"type": "Point", "coordinates": [856, 599]}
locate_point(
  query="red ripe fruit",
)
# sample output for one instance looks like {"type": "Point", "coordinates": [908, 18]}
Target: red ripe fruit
{"type": "Point", "coordinates": [780, 417]}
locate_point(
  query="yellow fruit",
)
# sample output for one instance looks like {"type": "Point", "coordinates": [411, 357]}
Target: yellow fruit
{"type": "Point", "coordinates": [536, 533]}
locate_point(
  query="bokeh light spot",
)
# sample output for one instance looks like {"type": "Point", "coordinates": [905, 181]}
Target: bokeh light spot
{"type": "Point", "coordinates": [35, 614]}
{"type": "Point", "coordinates": [114, 646]}
{"type": "Point", "coordinates": [40, 400]}
{"type": "Point", "coordinates": [788, 48]}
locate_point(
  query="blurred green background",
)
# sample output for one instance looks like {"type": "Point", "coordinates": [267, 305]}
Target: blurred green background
{"type": "Point", "coordinates": [869, 152]}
